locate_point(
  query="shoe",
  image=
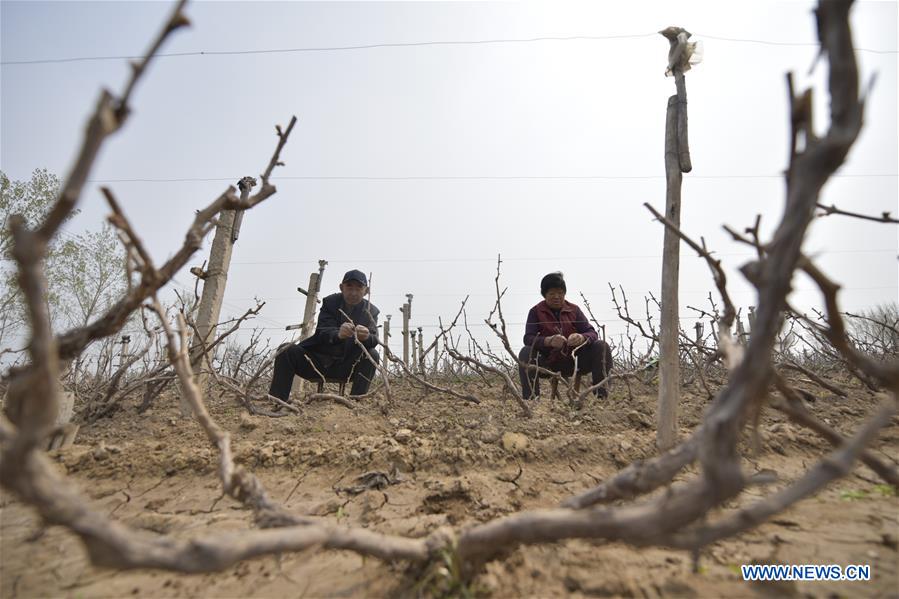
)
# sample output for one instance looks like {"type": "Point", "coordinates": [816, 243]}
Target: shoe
{"type": "Point", "coordinates": [277, 407]}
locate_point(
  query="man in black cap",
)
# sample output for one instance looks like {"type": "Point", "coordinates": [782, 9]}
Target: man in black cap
{"type": "Point", "coordinates": [332, 348]}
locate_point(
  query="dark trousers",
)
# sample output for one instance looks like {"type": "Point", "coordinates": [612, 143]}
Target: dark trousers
{"type": "Point", "coordinates": [292, 361]}
{"type": "Point", "coordinates": [595, 358]}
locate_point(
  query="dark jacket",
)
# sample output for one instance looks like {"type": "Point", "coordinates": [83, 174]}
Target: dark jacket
{"type": "Point", "coordinates": [543, 323]}
{"type": "Point", "coordinates": [325, 341]}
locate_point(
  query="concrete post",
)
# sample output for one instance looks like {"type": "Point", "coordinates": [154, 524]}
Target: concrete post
{"type": "Point", "coordinates": [216, 278]}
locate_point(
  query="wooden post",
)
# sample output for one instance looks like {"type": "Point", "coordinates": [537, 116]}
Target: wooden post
{"type": "Point", "coordinates": [307, 327]}
{"type": "Point", "coordinates": [123, 355]}
{"type": "Point", "coordinates": [413, 365]}
{"type": "Point", "coordinates": [421, 352]}
{"type": "Point", "coordinates": [741, 332]}
{"type": "Point", "coordinates": [216, 278]}
{"type": "Point", "coordinates": [64, 430]}
{"type": "Point", "coordinates": [386, 333]}
{"type": "Point", "coordinates": [669, 364]}
{"type": "Point", "coordinates": [435, 361]}
{"type": "Point", "coordinates": [404, 333]}
{"type": "Point", "coordinates": [677, 161]}
{"type": "Point", "coordinates": [407, 315]}
{"type": "Point", "coordinates": [109, 350]}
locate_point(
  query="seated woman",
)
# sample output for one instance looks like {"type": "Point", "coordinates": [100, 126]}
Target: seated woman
{"type": "Point", "coordinates": [554, 329]}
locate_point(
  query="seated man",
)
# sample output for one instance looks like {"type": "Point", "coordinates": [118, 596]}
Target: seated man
{"type": "Point", "coordinates": [554, 328]}
{"type": "Point", "coordinates": [332, 348]}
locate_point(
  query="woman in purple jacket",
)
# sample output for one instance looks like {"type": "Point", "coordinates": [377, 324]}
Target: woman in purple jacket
{"type": "Point", "coordinates": [556, 328]}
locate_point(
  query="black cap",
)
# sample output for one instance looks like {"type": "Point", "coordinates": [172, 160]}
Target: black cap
{"type": "Point", "coordinates": [553, 280]}
{"type": "Point", "coordinates": [355, 275]}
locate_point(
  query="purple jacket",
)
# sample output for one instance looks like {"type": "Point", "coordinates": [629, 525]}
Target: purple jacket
{"type": "Point", "coordinates": [542, 323]}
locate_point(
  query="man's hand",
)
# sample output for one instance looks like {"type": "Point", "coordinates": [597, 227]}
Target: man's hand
{"type": "Point", "coordinates": [362, 332]}
{"type": "Point", "coordinates": [346, 331]}
{"type": "Point", "coordinates": [556, 341]}
{"type": "Point", "coordinates": [575, 339]}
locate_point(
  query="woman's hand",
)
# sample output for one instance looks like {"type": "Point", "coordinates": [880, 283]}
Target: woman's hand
{"type": "Point", "coordinates": [575, 339]}
{"type": "Point", "coordinates": [556, 341]}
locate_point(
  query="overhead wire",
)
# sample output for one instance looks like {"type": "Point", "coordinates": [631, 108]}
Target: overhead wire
{"type": "Point", "coordinates": [439, 43]}
{"type": "Point", "coordinates": [426, 43]}
{"type": "Point", "coordinates": [777, 43]}
{"type": "Point", "coordinates": [473, 178]}
{"type": "Point", "coordinates": [527, 258]}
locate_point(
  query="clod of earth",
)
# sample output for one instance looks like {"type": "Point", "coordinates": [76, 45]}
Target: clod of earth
{"type": "Point", "coordinates": [514, 442]}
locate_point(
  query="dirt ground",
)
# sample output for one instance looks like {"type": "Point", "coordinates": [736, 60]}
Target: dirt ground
{"type": "Point", "coordinates": [456, 464]}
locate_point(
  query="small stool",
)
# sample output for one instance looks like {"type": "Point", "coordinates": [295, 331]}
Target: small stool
{"type": "Point", "coordinates": [340, 390]}
{"type": "Point", "coordinates": [554, 385]}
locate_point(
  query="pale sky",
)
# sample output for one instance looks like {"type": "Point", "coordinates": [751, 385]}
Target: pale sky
{"type": "Point", "coordinates": [420, 163]}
